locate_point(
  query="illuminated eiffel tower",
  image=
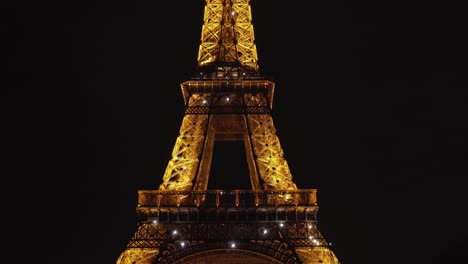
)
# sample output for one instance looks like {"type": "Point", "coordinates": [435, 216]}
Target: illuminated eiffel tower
{"type": "Point", "coordinates": [226, 99]}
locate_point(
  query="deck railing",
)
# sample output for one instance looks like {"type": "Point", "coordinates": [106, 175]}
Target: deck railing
{"type": "Point", "coordinates": [227, 198]}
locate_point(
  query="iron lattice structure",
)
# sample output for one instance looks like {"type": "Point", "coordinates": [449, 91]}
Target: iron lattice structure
{"type": "Point", "coordinates": [227, 46]}
{"type": "Point", "coordinates": [227, 100]}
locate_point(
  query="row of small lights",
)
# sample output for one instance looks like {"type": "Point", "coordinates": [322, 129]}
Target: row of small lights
{"type": "Point", "coordinates": [227, 99]}
{"type": "Point", "coordinates": [264, 231]}
{"type": "Point", "coordinates": [234, 245]}
{"type": "Point", "coordinates": [227, 77]}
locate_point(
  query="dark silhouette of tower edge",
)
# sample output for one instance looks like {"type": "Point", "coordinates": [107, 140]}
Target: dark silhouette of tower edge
{"type": "Point", "coordinates": [227, 99]}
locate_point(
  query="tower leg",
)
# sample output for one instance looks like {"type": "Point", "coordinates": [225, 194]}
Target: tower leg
{"type": "Point", "coordinates": [183, 165]}
{"type": "Point", "coordinates": [273, 168]}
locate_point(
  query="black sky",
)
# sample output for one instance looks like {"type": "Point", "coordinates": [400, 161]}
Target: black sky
{"type": "Point", "coordinates": [368, 107]}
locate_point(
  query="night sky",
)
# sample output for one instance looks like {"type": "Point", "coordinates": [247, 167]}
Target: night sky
{"type": "Point", "coordinates": [368, 107]}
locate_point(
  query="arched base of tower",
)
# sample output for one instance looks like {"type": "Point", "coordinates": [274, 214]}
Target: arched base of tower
{"type": "Point", "coordinates": [307, 255]}
{"type": "Point", "coordinates": [228, 256]}
{"type": "Point", "coordinates": [316, 255]}
{"type": "Point", "coordinates": [138, 256]}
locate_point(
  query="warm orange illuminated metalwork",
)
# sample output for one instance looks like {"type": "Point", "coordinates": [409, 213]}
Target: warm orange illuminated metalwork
{"type": "Point", "coordinates": [227, 100]}
{"type": "Point", "coordinates": [227, 39]}
{"type": "Point", "coordinates": [226, 110]}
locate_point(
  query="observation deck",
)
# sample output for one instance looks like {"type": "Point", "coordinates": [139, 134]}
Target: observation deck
{"type": "Point", "coordinates": [228, 206]}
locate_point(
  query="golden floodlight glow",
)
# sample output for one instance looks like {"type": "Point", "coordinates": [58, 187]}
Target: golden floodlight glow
{"type": "Point", "coordinates": [226, 100]}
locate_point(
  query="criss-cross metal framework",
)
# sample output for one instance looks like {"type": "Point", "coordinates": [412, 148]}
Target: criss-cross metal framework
{"type": "Point", "coordinates": [227, 46]}
{"type": "Point", "coordinates": [227, 100]}
{"type": "Point", "coordinates": [227, 110]}
{"type": "Point", "coordinates": [175, 225]}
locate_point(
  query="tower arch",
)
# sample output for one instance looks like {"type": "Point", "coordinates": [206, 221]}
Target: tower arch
{"type": "Point", "coordinates": [228, 256]}
{"type": "Point", "coordinates": [232, 252]}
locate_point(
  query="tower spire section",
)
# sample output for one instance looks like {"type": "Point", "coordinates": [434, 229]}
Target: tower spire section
{"type": "Point", "coordinates": [227, 48]}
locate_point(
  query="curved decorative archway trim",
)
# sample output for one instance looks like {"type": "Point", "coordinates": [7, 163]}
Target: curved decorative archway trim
{"type": "Point", "coordinates": [262, 251]}
{"type": "Point", "coordinates": [228, 256]}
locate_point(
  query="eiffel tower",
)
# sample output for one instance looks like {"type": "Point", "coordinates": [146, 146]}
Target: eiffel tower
{"type": "Point", "coordinates": [227, 99]}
